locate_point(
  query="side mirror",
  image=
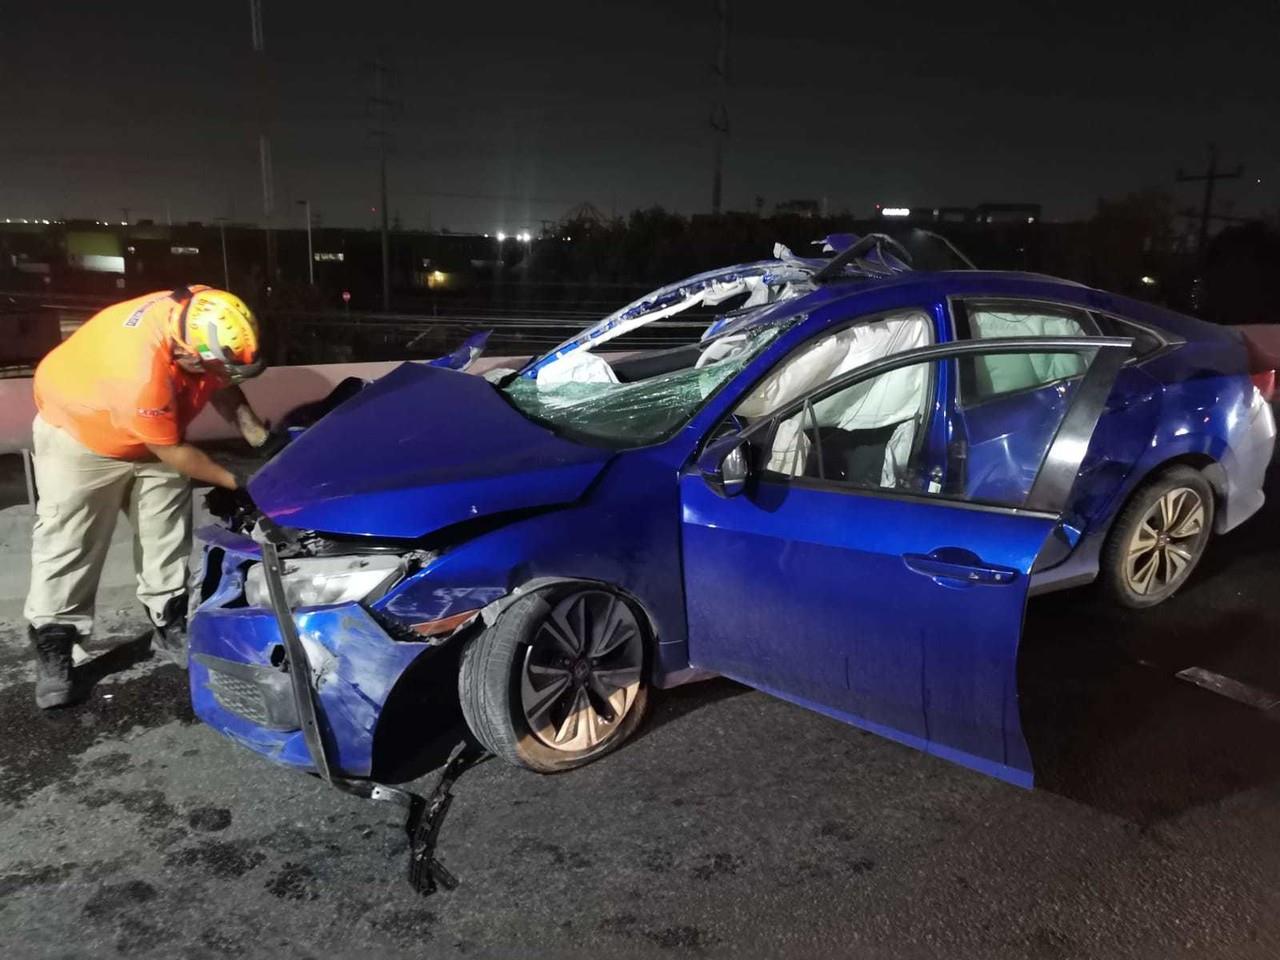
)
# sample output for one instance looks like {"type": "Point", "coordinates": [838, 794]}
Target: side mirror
{"type": "Point", "coordinates": [724, 466]}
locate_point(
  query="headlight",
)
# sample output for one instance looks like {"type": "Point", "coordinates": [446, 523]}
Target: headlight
{"type": "Point", "coordinates": [319, 581]}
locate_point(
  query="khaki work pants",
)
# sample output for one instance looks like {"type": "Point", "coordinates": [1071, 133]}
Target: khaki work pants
{"type": "Point", "coordinates": [81, 494]}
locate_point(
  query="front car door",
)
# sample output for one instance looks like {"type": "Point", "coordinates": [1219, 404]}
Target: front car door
{"type": "Point", "coordinates": [864, 574]}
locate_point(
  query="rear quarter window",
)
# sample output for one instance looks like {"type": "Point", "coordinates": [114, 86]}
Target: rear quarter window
{"type": "Point", "coordinates": [1145, 341]}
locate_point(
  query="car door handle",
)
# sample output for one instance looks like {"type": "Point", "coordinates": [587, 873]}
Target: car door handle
{"type": "Point", "coordinates": [955, 566]}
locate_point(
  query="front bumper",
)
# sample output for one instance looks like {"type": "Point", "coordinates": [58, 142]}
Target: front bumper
{"type": "Point", "coordinates": [239, 680]}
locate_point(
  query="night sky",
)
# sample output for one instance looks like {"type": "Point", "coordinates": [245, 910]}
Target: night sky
{"type": "Point", "coordinates": [515, 112]}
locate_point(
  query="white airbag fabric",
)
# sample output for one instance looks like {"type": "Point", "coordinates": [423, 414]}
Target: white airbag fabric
{"type": "Point", "coordinates": [581, 366]}
{"type": "Point", "coordinates": [896, 397]}
{"type": "Point", "coordinates": [837, 354]}
{"type": "Point", "coordinates": [1005, 373]}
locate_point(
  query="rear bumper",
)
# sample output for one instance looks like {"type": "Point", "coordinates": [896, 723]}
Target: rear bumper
{"type": "Point", "coordinates": [239, 688]}
{"type": "Point", "coordinates": [1246, 466]}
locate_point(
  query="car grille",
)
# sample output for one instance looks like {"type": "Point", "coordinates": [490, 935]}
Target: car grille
{"type": "Point", "coordinates": [260, 694]}
{"type": "Point", "coordinates": [239, 696]}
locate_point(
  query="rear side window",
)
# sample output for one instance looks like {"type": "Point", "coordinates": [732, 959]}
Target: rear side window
{"type": "Point", "coordinates": [1145, 342]}
{"type": "Point", "coordinates": [998, 375]}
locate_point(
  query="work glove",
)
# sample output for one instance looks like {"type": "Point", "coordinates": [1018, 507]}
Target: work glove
{"type": "Point", "coordinates": [276, 441]}
{"type": "Point", "coordinates": [243, 474]}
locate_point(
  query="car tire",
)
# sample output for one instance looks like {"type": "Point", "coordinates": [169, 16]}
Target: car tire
{"type": "Point", "coordinates": [559, 680]}
{"type": "Point", "coordinates": [1158, 538]}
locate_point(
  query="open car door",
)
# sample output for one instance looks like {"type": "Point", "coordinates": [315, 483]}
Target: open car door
{"type": "Point", "coordinates": [881, 586]}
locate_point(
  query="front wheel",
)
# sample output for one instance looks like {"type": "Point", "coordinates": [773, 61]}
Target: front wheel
{"type": "Point", "coordinates": [558, 680]}
{"type": "Point", "coordinates": [1159, 537]}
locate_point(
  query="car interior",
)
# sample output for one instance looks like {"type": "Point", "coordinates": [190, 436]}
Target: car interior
{"type": "Point", "coordinates": [862, 434]}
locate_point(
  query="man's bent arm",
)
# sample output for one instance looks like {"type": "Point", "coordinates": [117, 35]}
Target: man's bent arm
{"type": "Point", "coordinates": [234, 407]}
{"type": "Point", "coordinates": [194, 463]}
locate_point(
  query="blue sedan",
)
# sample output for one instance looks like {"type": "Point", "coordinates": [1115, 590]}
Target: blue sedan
{"type": "Point", "coordinates": [843, 494]}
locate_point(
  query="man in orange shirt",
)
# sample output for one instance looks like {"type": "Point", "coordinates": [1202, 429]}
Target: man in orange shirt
{"type": "Point", "coordinates": [114, 401]}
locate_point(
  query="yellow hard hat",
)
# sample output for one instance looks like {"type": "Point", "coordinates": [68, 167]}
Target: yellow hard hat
{"type": "Point", "coordinates": [220, 329]}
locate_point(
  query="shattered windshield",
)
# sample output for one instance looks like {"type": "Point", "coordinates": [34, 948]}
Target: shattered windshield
{"type": "Point", "coordinates": [615, 403]}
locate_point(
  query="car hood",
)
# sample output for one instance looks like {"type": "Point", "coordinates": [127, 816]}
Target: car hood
{"type": "Point", "coordinates": [421, 449]}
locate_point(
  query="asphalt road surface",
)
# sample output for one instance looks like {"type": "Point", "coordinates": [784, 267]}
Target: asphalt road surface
{"type": "Point", "coordinates": [734, 825]}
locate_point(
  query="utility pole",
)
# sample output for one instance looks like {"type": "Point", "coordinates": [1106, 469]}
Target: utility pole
{"type": "Point", "coordinates": [311, 255]}
{"type": "Point", "coordinates": [258, 39]}
{"type": "Point", "coordinates": [720, 107]}
{"type": "Point", "coordinates": [1210, 179]}
{"type": "Point", "coordinates": [383, 107]}
{"type": "Point", "coordinates": [222, 235]}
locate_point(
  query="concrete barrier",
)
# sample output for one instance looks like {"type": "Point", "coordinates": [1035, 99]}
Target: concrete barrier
{"type": "Point", "coordinates": [275, 393]}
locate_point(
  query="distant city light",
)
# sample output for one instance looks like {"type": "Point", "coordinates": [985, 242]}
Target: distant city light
{"type": "Point", "coordinates": [524, 236]}
{"type": "Point", "coordinates": [1149, 281]}
{"type": "Point", "coordinates": [896, 212]}
{"type": "Point", "coordinates": [1031, 219]}
{"type": "Point", "coordinates": [501, 236]}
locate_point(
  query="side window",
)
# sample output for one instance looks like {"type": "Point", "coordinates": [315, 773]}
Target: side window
{"type": "Point", "coordinates": [1145, 342]}
{"type": "Point", "coordinates": [999, 374]}
{"type": "Point", "coordinates": [873, 434]}
{"type": "Point", "coordinates": [833, 355]}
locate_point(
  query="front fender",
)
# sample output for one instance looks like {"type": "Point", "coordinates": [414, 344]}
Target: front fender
{"type": "Point", "coordinates": [625, 534]}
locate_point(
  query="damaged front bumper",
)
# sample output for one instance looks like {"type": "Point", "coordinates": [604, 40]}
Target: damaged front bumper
{"type": "Point", "coordinates": [307, 688]}
{"type": "Point", "coordinates": [240, 668]}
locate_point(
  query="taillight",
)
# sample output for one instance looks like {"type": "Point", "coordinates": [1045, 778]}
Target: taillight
{"type": "Point", "coordinates": [1266, 384]}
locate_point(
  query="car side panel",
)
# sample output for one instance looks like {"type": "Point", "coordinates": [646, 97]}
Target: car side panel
{"type": "Point", "coordinates": [1120, 442]}
{"type": "Point", "coordinates": [624, 532]}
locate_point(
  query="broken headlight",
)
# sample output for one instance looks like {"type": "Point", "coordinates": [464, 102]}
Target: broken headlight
{"type": "Point", "coordinates": [319, 581]}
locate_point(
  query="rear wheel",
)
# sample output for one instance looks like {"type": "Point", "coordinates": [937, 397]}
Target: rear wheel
{"type": "Point", "coordinates": [558, 680]}
{"type": "Point", "coordinates": [1159, 537]}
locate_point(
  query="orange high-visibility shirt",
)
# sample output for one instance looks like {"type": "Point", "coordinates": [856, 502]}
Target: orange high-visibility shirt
{"type": "Point", "coordinates": [113, 384]}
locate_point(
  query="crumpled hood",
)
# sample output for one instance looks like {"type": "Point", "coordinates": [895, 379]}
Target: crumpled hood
{"type": "Point", "coordinates": [418, 450]}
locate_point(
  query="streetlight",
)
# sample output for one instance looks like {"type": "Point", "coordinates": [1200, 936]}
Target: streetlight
{"type": "Point", "coordinates": [311, 257]}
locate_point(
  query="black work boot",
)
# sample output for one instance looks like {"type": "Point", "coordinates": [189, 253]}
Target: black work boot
{"type": "Point", "coordinates": [170, 636]}
{"type": "Point", "coordinates": [52, 645]}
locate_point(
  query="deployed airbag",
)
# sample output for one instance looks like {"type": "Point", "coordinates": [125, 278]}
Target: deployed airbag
{"type": "Point", "coordinates": [1005, 373]}
{"type": "Point", "coordinates": [892, 400]}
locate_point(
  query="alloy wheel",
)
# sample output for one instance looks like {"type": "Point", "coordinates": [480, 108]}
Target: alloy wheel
{"type": "Point", "coordinates": [1165, 544]}
{"type": "Point", "coordinates": [582, 671]}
